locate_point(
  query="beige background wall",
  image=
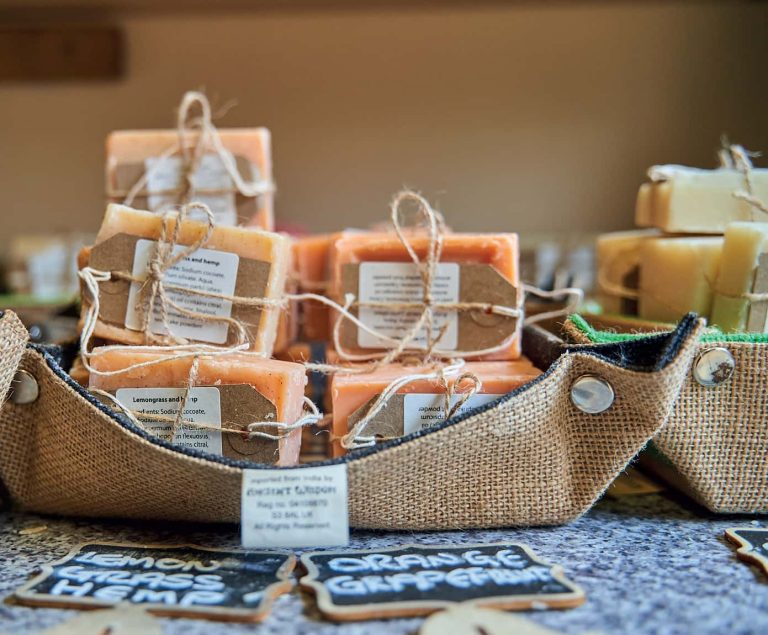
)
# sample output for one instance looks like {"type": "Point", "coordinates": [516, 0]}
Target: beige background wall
{"type": "Point", "coordinates": [528, 117]}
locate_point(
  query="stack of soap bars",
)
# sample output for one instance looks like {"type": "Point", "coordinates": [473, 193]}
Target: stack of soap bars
{"type": "Point", "coordinates": [181, 286]}
{"type": "Point", "coordinates": [701, 247]}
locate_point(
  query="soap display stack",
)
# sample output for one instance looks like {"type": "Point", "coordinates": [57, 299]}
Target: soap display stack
{"type": "Point", "coordinates": [700, 247]}
{"type": "Point", "coordinates": [207, 328]}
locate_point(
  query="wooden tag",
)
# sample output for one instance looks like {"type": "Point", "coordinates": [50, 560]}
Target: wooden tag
{"type": "Point", "coordinates": [753, 545]}
{"type": "Point", "coordinates": [757, 317]}
{"type": "Point", "coordinates": [117, 254]}
{"type": "Point", "coordinates": [419, 579]}
{"type": "Point", "coordinates": [128, 174]}
{"type": "Point", "coordinates": [476, 330]}
{"type": "Point", "coordinates": [168, 580]}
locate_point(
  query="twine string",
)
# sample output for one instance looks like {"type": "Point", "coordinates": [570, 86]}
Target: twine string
{"type": "Point", "coordinates": [207, 137]}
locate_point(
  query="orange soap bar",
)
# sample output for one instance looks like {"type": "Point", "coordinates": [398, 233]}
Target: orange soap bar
{"type": "Point", "coordinates": [351, 392]}
{"type": "Point", "coordinates": [245, 242]}
{"type": "Point", "coordinates": [129, 150]}
{"type": "Point", "coordinates": [376, 251]}
{"type": "Point", "coordinates": [310, 261]}
{"type": "Point", "coordinates": [282, 383]}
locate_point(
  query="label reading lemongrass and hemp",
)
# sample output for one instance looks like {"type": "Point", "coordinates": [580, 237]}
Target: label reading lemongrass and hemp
{"type": "Point", "coordinates": [304, 507]}
{"type": "Point", "coordinates": [400, 282]}
{"type": "Point", "coordinates": [156, 407]}
{"type": "Point", "coordinates": [422, 411]}
{"type": "Point", "coordinates": [205, 270]}
{"type": "Point", "coordinates": [211, 184]}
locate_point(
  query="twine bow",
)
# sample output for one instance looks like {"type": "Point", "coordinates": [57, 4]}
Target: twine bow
{"type": "Point", "coordinates": [208, 137]}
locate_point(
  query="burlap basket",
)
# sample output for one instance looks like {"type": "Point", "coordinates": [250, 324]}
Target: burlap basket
{"type": "Point", "coordinates": [715, 444]}
{"type": "Point", "coordinates": [530, 458]}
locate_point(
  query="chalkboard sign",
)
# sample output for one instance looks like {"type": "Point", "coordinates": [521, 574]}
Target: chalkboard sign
{"type": "Point", "coordinates": [417, 580]}
{"type": "Point", "coordinates": [181, 581]}
{"type": "Point", "coordinates": [753, 545]}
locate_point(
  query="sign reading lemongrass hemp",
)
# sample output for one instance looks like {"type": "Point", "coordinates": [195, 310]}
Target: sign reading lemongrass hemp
{"type": "Point", "coordinates": [180, 581]}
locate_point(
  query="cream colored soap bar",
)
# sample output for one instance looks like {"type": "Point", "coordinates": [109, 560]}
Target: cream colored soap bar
{"type": "Point", "coordinates": [743, 246]}
{"type": "Point", "coordinates": [128, 150]}
{"type": "Point", "coordinates": [618, 266]}
{"type": "Point", "coordinates": [247, 243]}
{"type": "Point", "coordinates": [690, 200]}
{"type": "Point", "coordinates": [677, 275]}
{"type": "Point", "coordinates": [350, 392]}
{"type": "Point", "coordinates": [282, 383]}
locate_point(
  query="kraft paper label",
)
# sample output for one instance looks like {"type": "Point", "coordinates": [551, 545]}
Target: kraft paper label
{"type": "Point", "coordinates": [118, 302]}
{"type": "Point", "coordinates": [161, 188]}
{"type": "Point", "coordinates": [422, 411]}
{"type": "Point", "coordinates": [411, 412]}
{"type": "Point", "coordinates": [205, 270]}
{"type": "Point", "coordinates": [211, 184]}
{"type": "Point", "coordinates": [303, 507]}
{"type": "Point", "coordinates": [231, 406]}
{"type": "Point", "coordinates": [400, 282]}
{"type": "Point", "coordinates": [203, 406]}
{"type": "Point", "coordinates": [466, 330]}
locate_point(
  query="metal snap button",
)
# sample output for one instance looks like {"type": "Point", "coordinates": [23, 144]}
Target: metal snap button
{"type": "Point", "coordinates": [713, 366]}
{"type": "Point", "coordinates": [24, 388]}
{"type": "Point", "coordinates": [592, 394]}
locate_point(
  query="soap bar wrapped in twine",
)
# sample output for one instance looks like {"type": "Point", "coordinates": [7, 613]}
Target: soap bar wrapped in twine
{"type": "Point", "coordinates": [444, 363]}
{"type": "Point", "coordinates": [208, 138]}
{"type": "Point", "coordinates": [441, 364]}
{"type": "Point", "coordinates": [732, 157]}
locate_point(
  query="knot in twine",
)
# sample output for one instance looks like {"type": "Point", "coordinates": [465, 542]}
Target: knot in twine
{"type": "Point", "coordinates": [354, 439]}
{"type": "Point", "coordinates": [208, 137]}
{"type": "Point", "coordinates": [427, 269]}
{"type": "Point", "coordinates": [737, 157]}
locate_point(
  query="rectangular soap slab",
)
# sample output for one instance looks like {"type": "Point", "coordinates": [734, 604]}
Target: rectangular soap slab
{"type": "Point", "coordinates": [352, 393]}
{"type": "Point", "coordinates": [263, 264]}
{"type": "Point", "coordinates": [618, 263]}
{"type": "Point", "coordinates": [487, 271]}
{"type": "Point", "coordinates": [689, 200]}
{"type": "Point", "coordinates": [678, 275]}
{"type": "Point", "coordinates": [256, 388]}
{"type": "Point", "coordinates": [128, 151]}
{"type": "Point", "coordinates": [742, 271]}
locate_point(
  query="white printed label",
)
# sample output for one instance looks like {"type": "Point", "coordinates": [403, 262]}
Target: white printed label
{"type": "Point", "coordinates": [164, 178]}
{"type": "Point", "coordinates": [203, 407]}
{"type": "Point", "coordinates": [422, 411]}
{"type": "Point", "coordinates": [400, 282]}
{"type": "Point", "coordinates": [205, 270]}
{"type": "Point", "coordinates": [305, 507]}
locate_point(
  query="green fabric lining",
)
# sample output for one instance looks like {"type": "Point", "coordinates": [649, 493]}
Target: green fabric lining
{"type": "Point", "coordinates": [712, 334]}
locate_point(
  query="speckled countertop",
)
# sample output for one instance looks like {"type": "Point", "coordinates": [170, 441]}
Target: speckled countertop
{"type": "Point", "coordinates": [649, 564]}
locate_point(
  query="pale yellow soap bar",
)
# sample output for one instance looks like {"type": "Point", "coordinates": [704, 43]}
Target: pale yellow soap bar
{"type": "Point", "coordinates": [618, 266]}
{"type": "Point", "coordinates": [743, 246]}
{"type": "Point", "coordinates": [689, 200]}
{"type": "Point", "coordinates": [246, 242]}
{"type": "Point", "coordinates": [677, 275]}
